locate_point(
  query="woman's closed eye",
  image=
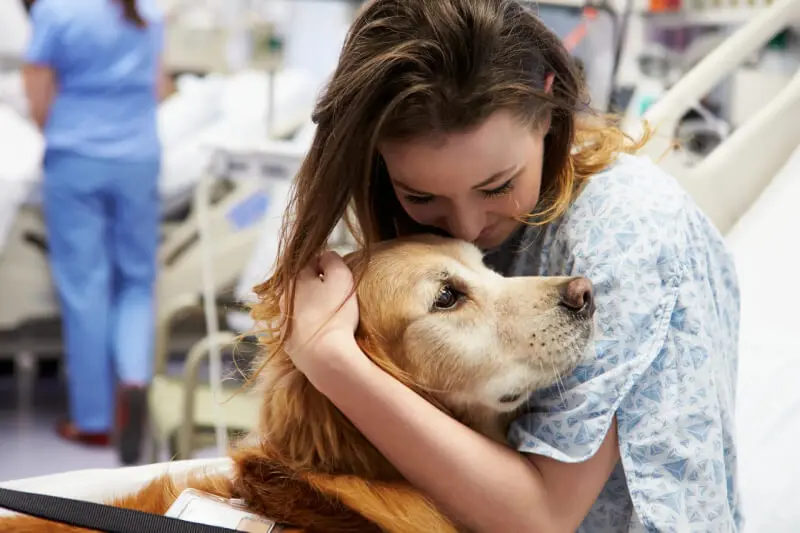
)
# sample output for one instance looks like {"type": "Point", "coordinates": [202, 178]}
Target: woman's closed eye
{"type": "Point", "coordinates": [504, 188]}
{"type": "Point", "coordinates": [419, 200]}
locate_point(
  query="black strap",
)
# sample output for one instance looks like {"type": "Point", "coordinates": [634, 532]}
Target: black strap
{"type": "Point", "coordinates": [97, 517]}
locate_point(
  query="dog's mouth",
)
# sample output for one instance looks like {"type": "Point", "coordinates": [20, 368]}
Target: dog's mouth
{"type": "Point", "coordinates": [512, 397]}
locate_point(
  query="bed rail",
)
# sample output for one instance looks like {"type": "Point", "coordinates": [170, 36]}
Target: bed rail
{"type": "Point", "coordinates": [729, 179]}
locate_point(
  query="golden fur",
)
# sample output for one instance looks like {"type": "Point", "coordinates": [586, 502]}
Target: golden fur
{"type": "Point", "coordinates": [477, 359]}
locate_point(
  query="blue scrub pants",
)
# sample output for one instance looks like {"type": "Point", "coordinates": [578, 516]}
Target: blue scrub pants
{"type": "Point", "coordinates": [102, 220]}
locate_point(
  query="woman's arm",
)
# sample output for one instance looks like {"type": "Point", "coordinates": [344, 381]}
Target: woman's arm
{"type": "Point", "coordinates": [40, 89]}
{"type": "Point", "coordinates": [41, 58]}
{"type": "Point", "coordinates": [164, 85]}
{"type": "Point", "coordinates": [482, 484]}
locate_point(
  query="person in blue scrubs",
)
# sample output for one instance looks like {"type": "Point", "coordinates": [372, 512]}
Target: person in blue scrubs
{"type": "Point", "coordinates": [93, 80]}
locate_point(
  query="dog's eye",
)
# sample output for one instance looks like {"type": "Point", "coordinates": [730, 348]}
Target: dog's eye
{"type": "Point", "coordinates": [447, 298]}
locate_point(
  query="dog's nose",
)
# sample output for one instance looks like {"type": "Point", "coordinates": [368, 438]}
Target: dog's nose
{"type": "Point", "coordinates": [577, 295]}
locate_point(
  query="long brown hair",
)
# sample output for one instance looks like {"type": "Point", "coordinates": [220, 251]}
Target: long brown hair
{"type": "Point", "coordinates": [131, 13]}
{"type": "Point", "coordinates": [416, 67]}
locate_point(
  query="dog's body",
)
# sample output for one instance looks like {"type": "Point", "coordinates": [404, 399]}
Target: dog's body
{"type": "Point", "coordinates": [473, 343]}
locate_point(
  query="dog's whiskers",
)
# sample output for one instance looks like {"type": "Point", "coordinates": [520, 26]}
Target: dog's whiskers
{"type": "Point", "coordinates": [559, 380]}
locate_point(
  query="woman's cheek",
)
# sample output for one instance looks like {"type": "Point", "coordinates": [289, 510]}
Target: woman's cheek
{"type": "Point", "coordinates": [421, 214]}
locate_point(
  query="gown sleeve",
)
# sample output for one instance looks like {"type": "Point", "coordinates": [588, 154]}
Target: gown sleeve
{"type": "Point", "coordinates": [45, 33]}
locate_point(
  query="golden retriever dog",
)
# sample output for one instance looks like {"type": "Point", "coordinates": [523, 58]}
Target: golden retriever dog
{"type": "Point", "coordinates": [472, 342]}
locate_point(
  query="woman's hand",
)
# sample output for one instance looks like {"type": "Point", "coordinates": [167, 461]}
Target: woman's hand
{"type": "Point", "coordinates": [325, 314]}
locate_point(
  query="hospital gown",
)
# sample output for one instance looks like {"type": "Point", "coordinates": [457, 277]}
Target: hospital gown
{"type": "Point", "coordinates": [664, 358]}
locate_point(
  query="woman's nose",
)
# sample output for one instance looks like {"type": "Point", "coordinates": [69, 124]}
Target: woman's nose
{"type": "Point", "coordinates": [464, 227]}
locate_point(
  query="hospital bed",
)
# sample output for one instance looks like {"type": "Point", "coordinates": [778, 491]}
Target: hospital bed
{"type": "Point", "coordinates": [750, 188]}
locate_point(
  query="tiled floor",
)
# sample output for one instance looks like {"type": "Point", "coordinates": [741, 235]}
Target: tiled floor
{"type": "Point", "coordinates": [28, 443]}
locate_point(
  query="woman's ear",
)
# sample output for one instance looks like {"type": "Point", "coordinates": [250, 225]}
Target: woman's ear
{"type": "Point", "coordinates": [548, 83]}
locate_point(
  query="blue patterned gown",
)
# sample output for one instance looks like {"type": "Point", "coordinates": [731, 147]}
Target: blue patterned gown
{"type": "Point", "coordinates": [665, 352]}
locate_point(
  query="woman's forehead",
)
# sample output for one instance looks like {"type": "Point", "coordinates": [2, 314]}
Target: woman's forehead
{"type": "Point", "coordinates": [459, 159]}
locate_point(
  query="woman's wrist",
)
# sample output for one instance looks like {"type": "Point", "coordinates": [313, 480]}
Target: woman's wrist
{"type": "Point", "coordinates": [333, 356]}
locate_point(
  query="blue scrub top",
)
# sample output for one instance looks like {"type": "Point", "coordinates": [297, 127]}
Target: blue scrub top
{"type": "Point", "coordinates": [106, 70]}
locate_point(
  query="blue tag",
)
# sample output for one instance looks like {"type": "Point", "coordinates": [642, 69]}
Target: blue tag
{"type": "Point", "coordinates": [249, 211]}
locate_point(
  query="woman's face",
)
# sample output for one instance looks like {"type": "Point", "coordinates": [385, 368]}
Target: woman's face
{"type": "Point", "coordinates": [470, 184]}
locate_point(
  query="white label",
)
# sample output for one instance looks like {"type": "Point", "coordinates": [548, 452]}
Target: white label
{"type": "Point", "coordinates": [200, 508]}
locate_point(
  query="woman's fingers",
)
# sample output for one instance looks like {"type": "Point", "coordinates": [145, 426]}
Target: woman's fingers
{"type": "Point", "coordinates": [320, 282]}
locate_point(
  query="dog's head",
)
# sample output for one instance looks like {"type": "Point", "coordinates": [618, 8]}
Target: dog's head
{"type": "Point", "coordinates": [431, 314]}
{"type": "Point", "coordinates": [465, 334]}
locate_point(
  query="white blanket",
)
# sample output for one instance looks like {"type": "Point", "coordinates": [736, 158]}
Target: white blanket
{"type": "Point", "coordinates": [21, 150]}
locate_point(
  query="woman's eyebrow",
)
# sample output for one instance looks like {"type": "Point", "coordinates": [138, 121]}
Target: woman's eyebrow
{"type": "Point", "coordinates": [488, 181]}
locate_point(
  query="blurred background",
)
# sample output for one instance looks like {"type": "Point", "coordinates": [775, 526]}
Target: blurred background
{"type": "Point", "coordinates": [244, 77]}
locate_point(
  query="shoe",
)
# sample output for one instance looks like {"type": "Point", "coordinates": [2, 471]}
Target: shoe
{"type": "Point", "coordinates": [131, 416]}
{"type": "Point", "coordinates": [67, 431]}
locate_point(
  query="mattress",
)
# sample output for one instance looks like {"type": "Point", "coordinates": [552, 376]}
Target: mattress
{"type": "Point", "coordinates": [766, 249]}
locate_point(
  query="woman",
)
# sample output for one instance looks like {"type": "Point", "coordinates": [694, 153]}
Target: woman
{"type": "Point", "coordinates": [92, 82]}
{"type": "Point", "coordinates": [466, 117]}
